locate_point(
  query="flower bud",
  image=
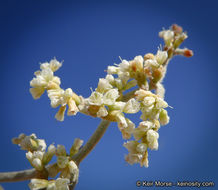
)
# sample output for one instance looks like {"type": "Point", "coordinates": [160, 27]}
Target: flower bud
{"type": "Point", "coordinates": [188, 53]}
{"type": "Point", "coordinates": [148, 56]}
{"type": "Point", "coordinates": [109, 78]}
{"type": "Point", "coordinates": [37, 164]}
{"type": "Point", "coordinates": [60, 114]}
{"type": "Point", "coordinates": [152, 138]}
{"type": "Point", "coordinates": [164, 118]}
{"type": "Point", "coordinates": [177, 29]}
{"type": "Point", "coordinates": [73, 170]}
{"type": "Point", "coordinates": [29, 156]}
{"type": "Point", "coordinates": [76, 146]}
{"type": "Point", "coordinates": [49, 154]}
{"type": "Point", "coordinates": [61, 151]}
{"type": "Point", "coordinates": [51, 149]}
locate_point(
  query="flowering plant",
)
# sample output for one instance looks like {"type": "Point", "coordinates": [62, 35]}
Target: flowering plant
{"type": "Point", "coordinates": [142, 77]}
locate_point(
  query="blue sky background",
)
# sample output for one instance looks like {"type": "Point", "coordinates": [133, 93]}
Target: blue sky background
{"type": "Point", "coordinates": [89, 36]}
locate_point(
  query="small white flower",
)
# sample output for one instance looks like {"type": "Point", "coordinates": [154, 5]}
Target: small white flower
{"type": "Point", "coordinates": [41, 144]}
{"type": "Point", "coordinates": [160, 103]}
{"type": "Point", "coordinates": [141, 94]}
{"type": "Point", "coordinates": [28, 143]}
{"type": "Point", "coordinates": [132, 106]}
{"type": "Point", "coordinates": [124, 65]}
{"type": "Point", "coordinates": [102, 112]}
{"type": "Point", "coordinates": [96, 98]}
{"type": "Point", "coordinates": [167, 35]}
{"type": "Point", "coordinates": [73, 170]}
{"type": "Point", "coordinates": [60, 114]}
{"type": "Point", "coordinates": [121, 120]}
{"type": "Point", "coordinates": [44, 80]}
{"type": "Point", "coordinates": [146, 125]}
{"type": "Point", "coordinates": [161, 56]}
{"type": "Point", "coordinates": [55, 65]}
{"type": "Point", "coordinates": [148, 101]}
{"type": "Point", "coordinates": [72, 108]}
{"type": "Point", "coordinates": [143, 127]}
{"type": "Point", "coordinates": [37, 184]}
{"type": "Point", "coordinates": [164, 118]}
{"type": "Point", "coordinates": [137, 63]}
{"type": "Point", "coordinates": [68, 93]}
{"type": "Point", "coordinates": [37, 92]}
{"type": "Point", "coordinates": [124, 77]}
{"type": "Point", "coordinates": [160, 90]}
{"type": "Point", "coordinates": [44, 65]}
{"type": "Point", "coordinates": [139, 59]}
{"type": "Point", "coordinates": [137, 153]}
{"type": "Point", "coordinates": [62, 184]}
{"type": "Point", "coordinates": [110, 97]}
{"type": "Point", "coordinates": [112, 70]}
{"type": "Point", "coordinates": [118, 105]}
{"type": "Point", "coordinates": [131, 146]}
{"type": "Point", "coordinates": [152, 138]}
{"type": "Point", "coordinates": [103, 85]}
{"type": "Point", "coordinates": [109, 78]}
{"type": "Point", "coordinates": [127, 132]}
{"type": "Point", "coordinates": [151, 62]}
{"type": "Point", "coordinates": [56, 97]}
{"type": "Point", "coordinates": [39, 81]}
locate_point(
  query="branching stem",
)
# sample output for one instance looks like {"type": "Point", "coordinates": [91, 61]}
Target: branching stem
{"type": "Point", "coordinates": [84, 151]}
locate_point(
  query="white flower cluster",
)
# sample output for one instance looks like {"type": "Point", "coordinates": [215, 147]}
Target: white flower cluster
{"type": "Point", "coordinates": [106, 102]}
{"type": "Point", "coordinates": [109, 102]}
{"type": "Point", "coordinates": [173, 37]}
{"type": "Point", "coordinates": [37, 155]}
{"type": "Point", "coordinates": [67, 166]}
{"type": "Point", "coordinates": [30, 143]}
{"type": "Point", "coordinates": [146, 134]}
{"type": "Point", "coordinates": [39, 158]}
{"type": "Point", "coordinates": [45, 80]}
